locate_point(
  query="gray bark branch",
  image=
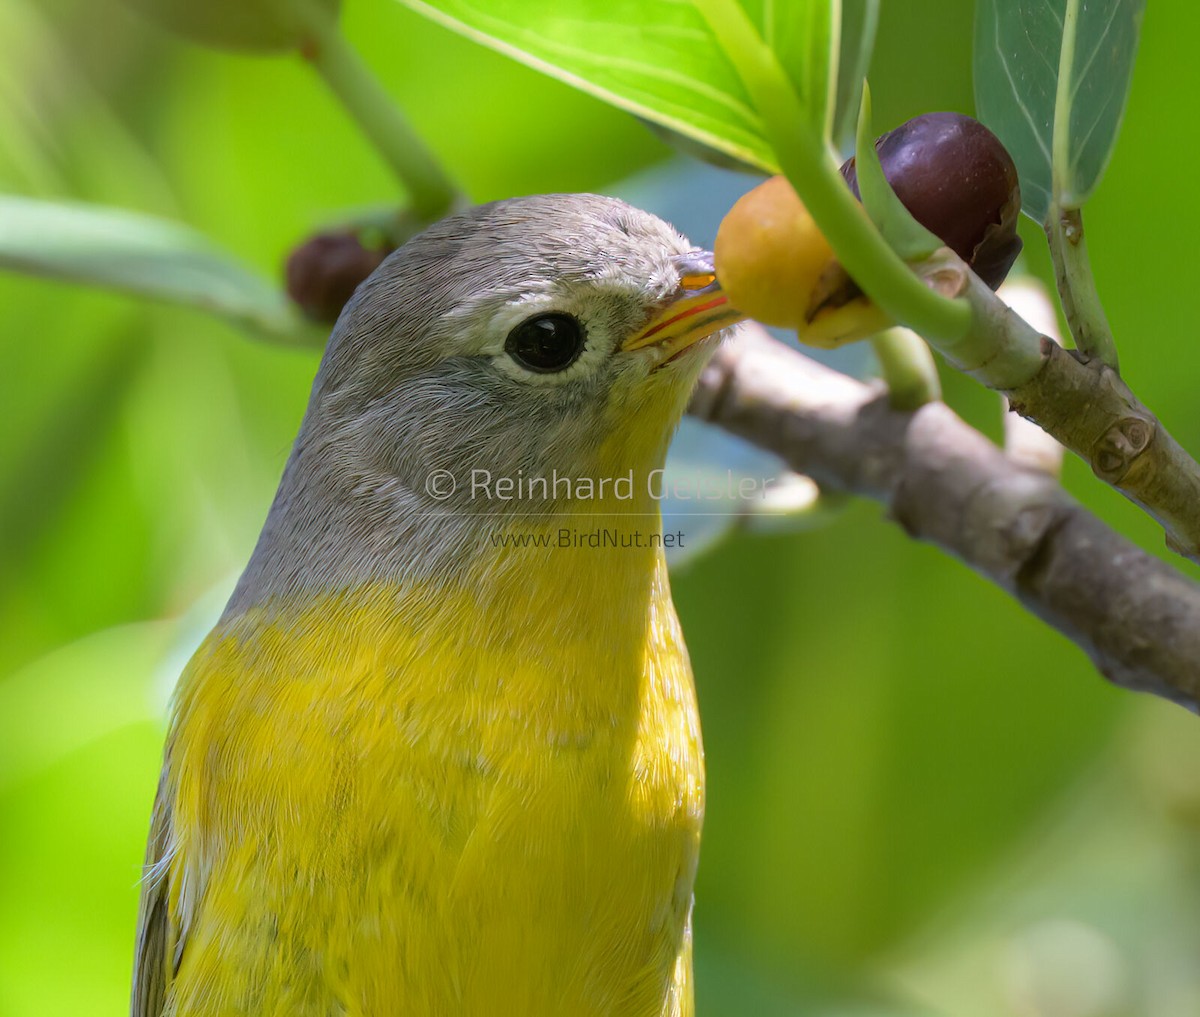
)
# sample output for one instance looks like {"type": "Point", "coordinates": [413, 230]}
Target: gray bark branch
{"type": "Point", "coordinates": [1136, 617]}
{"type": "Point", "coordinates": [1085, 404]}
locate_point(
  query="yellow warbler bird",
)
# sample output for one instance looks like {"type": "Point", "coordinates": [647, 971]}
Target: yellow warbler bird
{"type": "Point", "coordinates": [440, 755]}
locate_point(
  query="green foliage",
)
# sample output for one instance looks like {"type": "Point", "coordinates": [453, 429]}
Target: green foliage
{"type": "Point", "coordinates": [912, 782]}
{"type": "Point", "coordinates": [798, 130]}
{"type": "Point", "coordinates": [140, 255]}
{"type": "Point", "coordinates": [1051, 80]}
{"type": "Point", "coordinates": [803, 37]}
{"type": "Point", "coordinates": [656, 58]}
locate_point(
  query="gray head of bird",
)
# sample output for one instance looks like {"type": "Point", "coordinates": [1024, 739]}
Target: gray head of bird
{"type": "Point", "coordinates": [549, 336]}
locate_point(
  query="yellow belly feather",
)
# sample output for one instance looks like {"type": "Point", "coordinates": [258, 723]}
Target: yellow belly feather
{"type": "Point", "coordinates": [475, 800]}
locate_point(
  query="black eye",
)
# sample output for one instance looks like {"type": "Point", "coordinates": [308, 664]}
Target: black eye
{"type": "Point", "coordinates": [546, 343]}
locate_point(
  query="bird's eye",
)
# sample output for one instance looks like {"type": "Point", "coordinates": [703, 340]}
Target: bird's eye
{"type": "Point", "coordinates": [546, 343]}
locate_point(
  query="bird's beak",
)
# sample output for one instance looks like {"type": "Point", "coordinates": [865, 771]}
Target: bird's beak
{"type": "Point", "coordinates": [697, 309]}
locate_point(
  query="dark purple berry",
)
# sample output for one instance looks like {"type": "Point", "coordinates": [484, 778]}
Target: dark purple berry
{"type": "Point", "coordinates": [323, 272]}
{"type": "Point", "coordinates": [960, 183]}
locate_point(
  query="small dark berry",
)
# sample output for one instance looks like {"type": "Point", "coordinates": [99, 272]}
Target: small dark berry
{"type": "Point", "coordinates": [323, 272]}
{"type": "Point", "coordinates": [960, 183]}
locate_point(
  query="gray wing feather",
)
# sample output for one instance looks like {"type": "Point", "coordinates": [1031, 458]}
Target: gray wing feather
{"type": "Point", "coordinates": [151, 968]}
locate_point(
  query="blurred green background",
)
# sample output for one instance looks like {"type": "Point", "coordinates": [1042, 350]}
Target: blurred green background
{"type": "Point", "coordinates": [921, 799]}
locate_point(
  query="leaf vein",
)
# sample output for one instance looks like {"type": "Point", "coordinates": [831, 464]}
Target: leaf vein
{"type": "Point", "coordinates": [1041, 142]}
{"type": "Point", "coordinates": [1095, 52]}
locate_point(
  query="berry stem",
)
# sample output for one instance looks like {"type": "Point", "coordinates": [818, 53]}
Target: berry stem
{"type": "Point", "coordinates": [431, 193]}
{"type": "Point", "coordinates": [908, 368]}
{"type": "Point", "coordinates": [1077, 286]}
{"type": "Point", "coordinates": [809, 165]}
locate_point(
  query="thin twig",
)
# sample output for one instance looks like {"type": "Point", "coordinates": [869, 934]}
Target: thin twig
{"type": "Point", "coordinates": [907, 367]}
{"type": "Point", "coordinates": [431, 193]}
{"type": "Point", "coordinates": [1077, 286]}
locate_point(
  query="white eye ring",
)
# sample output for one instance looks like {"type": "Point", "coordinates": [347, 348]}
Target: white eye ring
{"type": "Point", "coordinates": [503, 326]}
{"type": "Point", "coordinates": [547, 343]}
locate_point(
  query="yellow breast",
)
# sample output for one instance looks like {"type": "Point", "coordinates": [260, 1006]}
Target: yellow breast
{"type": "Point", "coordinates": [479, 798]}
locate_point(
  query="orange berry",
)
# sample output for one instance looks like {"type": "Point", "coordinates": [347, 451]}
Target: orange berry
{"type": "Point", "coordinates": [778, 268]}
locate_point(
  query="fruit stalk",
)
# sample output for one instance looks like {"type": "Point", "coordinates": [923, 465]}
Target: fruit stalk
{"type": "Point", "coordinates": [805, 159]}
{"type": "Point", "coordinates": [908, 368]}
{"type": "Point", "coordinates": [1077, 286]}
{"type": "Point", "coordinates": [431, 193]}
{"type": "Point", "coordinates": [947, 172]}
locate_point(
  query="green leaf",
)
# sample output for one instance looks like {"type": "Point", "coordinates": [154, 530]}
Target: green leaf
{"type": "Point", "coordinates": [661, 59]}
{"type": "Point", "coordinates": [802, 35]}
{"type": "Point", "coordinates": [138, 254]}
{"type": "Point", "coordinates": [860, 19]}
{"type": "Point", "coordinates": [1051, 79]}
{"type": "Point", "coordinates": [907, 237]}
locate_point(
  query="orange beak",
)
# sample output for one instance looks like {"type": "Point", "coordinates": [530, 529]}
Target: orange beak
{"type": "Point", "coordinates": [698, 309]}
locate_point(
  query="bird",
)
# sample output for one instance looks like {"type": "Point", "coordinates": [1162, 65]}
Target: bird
{"type": "Point", "coordinates": [440, 754]}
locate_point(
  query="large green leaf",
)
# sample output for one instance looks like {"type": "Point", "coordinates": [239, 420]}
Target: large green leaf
{"type": "Point", "coordinates": [803, 36]}
{"type": "Point", "coordinates": [1051, 79]}
{"type": "Point", "coordinates": [138, 254]}
{"type": "Point", "coordinates": [661, 59]}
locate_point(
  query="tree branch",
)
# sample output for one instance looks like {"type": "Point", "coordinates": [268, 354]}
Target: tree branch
{"type": "Point", "coordinates": [1083, 403]}
{"type": "Point", "coordinates": [1137, 618]}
